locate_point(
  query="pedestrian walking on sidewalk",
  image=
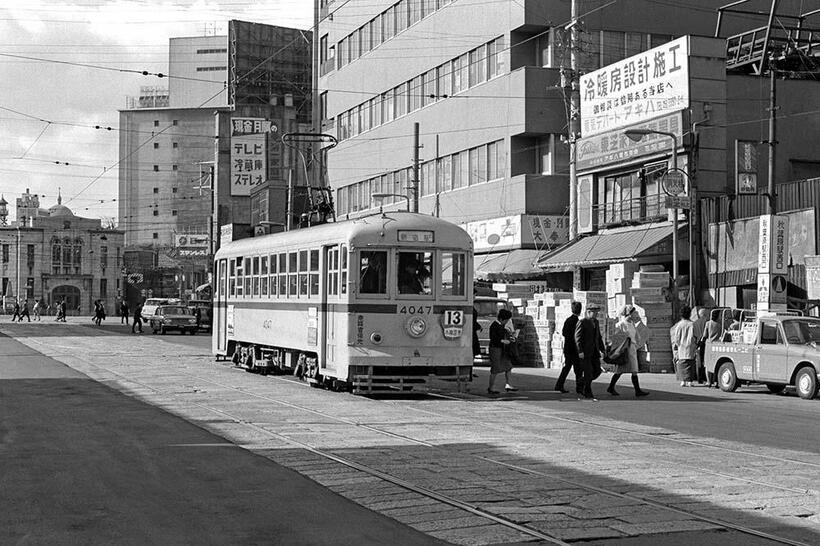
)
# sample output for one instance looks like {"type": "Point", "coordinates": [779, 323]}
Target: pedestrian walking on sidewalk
{"type": "Point", "coordinates": [37, 308]}
{"type": "Point", "coordinates": [685, 348]}
{"type": "Point", "coordinates": [499, 357]}
{"type": "Point", "coordinates": [712, 332]}
{"type": "Point", "coordinates": [24, 311]}
{"type": "Point", "coordinates": [590, 346]}
{"type": "Point", "coordinates": [626, 332]}
{"type": "Point", "coordinates": [16, 314]}
{"type": "Point", "coordinates": [137, 319]}
{"type": "Point", "coordinates": [124, 312]}
{"type": "Point", "coordinates": [700, 317]}
{"type": "Point", "coordinates": [62, 310]}
{"type": "Point", "coordinates": [570, 350]}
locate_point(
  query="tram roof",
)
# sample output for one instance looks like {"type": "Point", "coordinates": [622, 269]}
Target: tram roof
{"type": "Point", "coordinates": [359, 232]}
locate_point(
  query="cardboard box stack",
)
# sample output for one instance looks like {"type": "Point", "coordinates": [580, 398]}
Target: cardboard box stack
{"type": "Point", "coordinates": [650, 295]}
{"type": "Point", "coordinates": [618, 283]}
{"type": "Point", "coordinates": [563, 310]}
{"type": "Point", "coordinates": [530, 319]}
{"type": "Point", "coordinates": [599, 298]}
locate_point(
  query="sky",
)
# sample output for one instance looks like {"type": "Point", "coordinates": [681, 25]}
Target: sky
{"type": "Point", "coordinates": [49, 108]}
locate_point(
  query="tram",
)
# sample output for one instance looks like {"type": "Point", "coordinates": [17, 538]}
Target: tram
{"type": "Point", "coordinates": [382, 302]}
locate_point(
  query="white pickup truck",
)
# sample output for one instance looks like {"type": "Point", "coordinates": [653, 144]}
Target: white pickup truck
{"type": "Point", "coordinates": [778, 350]}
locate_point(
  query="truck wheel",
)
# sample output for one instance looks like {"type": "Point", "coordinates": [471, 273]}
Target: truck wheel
{"type": "Point", "coordinates": [727, 378]}
{"type": "Point", "coordinates": [775, 388]}
{"type": "Point", "coordinates": [806, 383]}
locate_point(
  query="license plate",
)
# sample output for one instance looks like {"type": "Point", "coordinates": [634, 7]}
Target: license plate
{"type": "Point", "coordinates": [415, 361]}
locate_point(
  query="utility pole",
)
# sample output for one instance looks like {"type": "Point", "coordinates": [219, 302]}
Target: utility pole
{"type": "Point", "coordinates": [772, 131]}
{"type": "Point", "coordinates": [289, 211]}
{"type": "Point", "coordinates": [574, 120]}
{"type": "Point", "coordinates": [414, 185]}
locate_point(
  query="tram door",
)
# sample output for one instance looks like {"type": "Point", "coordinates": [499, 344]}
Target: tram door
{"type": "Point", "coordinates": [221, 306]}
{"type": "Point", "coordinates": [330, 301]}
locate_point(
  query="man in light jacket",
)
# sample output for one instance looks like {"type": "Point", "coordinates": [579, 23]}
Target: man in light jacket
{"type": "Point", "coordinates": [685, 348]}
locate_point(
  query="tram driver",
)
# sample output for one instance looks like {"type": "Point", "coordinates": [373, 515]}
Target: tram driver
{"type": "Point", "coordinates": [412, 275]}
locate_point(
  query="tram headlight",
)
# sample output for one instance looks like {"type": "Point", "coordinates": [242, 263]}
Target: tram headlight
{"type": "Point", "coordinates": [416, 326]}
{"type": "Point", "coordinates": [376, 338]}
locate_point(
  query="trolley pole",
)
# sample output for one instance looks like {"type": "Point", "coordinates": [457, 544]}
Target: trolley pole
{"type": "Point", "coordinates": [414, 185]}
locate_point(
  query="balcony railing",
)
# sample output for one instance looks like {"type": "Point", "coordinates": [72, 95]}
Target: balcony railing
{"type": "Point", "coordinates": [640, 209]}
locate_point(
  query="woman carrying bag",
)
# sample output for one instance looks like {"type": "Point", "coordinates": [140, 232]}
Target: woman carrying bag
{"type": "Point", "coordinates": [499, 357]}
{"type": "Point", "coordinates": [625, 342]}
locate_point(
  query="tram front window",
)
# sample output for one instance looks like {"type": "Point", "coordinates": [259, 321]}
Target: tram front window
{"type": "Point", "coordinates": [414, 273]}
{"type": "Point", "coordinates": [373, 272]}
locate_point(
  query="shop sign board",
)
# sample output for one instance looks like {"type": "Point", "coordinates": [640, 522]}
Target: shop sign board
{"type": "Point", "coordinates": [225, 234]}
{"type": "Point", "coordinates": [773, 255]}
{"type": "Point", "coordinates": [636, 89]}
{"type": "Point", "coordinates": [615, 147]}
{"type": "Point", "coordinates": [191, 240]}
{"type": "Point", "coordinates": [519, 231]}
{"type": "Point", "coordinates": [771, 292]}
{"type": "Point", "coordinates": [813, 277]}
{"type": "Point", "coordinates": [678, 202]}
{"type": "Point", "coordinates": [248, 158]}
{"type": "Point", "coordinates": [252, 126]}
{"type": "Point", "coordinates": [746, 157]}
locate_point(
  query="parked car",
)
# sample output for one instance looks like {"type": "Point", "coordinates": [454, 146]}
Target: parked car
{"type": "Point", "coordinates": [776, 349]}
{"type": "Point", "coordinates": [487, 308]}
{"type": "Point", "coordinates": [173, 317]}
{"type": "Point", "coordinates": [151, 304]}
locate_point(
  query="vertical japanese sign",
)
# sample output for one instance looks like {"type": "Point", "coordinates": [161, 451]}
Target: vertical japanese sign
{"type": "Point", "coordinates": [647, 85]}
{"type": "Point", "coordinates": [248, 154]}
{"type": "Point", "coordinates": [746, 166]}
{"type": "Point", "coordinates": [773, 263]}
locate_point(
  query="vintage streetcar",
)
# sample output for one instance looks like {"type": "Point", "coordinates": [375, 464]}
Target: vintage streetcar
{"type": "Point", "coordinates": [378, 303]}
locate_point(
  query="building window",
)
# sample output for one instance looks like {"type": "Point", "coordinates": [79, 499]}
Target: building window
{"type": "Point", "coordinates": [30, 256]}
{"type": "Point", "coordinates": [103, 288]}
{"type": "Point", "coordinates": [174, 167]}
{"type": "Point", "coordinates": [156, 235]}
{"type": "Point", "coordinates": [5, 253]}
{"type": "Point", "coordinates": [175, 145]}
{"type": "Point", "coordinates": [173, 213]}
{"type": "Point", "coordinates": [156, 190]}
{"type": "Point", "coordinates": [156, 123]}
{"type": "Point", "coordinates": [209, 69]}
{"type": "Point", "coordinates": [30, 287]}
{"type": "Point", "coordinates": [156, 145]}
{"type": "Point", "coordinates": [103, 257]}
{"type": "Point", "coordinates": [175, 122]}
{"type": "Point", "coordinates": [174, 190]}
{"type": "Point", "coordinates": [208, 51]}
{"type": "Point", "coordinates": [156, 168]}
{"type": "Point", "coordinates": [156, 212]}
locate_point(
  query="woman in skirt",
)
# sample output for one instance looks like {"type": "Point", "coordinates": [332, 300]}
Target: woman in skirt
{"type": "Point", "coordinates": [499, 359]}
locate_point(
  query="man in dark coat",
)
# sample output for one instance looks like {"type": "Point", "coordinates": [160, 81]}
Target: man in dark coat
{"type": "Point", "coordinates": [137, 319]}
{"type": "Point", "coordinates": [590, 345]}
{"type": "Point", "coordinates": [16, 314]}
{"type": "Point", "coordinates": [570, 350]}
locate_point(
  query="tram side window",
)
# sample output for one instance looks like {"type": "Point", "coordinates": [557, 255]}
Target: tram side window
{"type": "Point", "coordinates": [453, 274]}
{"type": "Point", "coordinates": [240, 279]}
{"type": "Point", "coordinates": [248, 276]}
{"type": "Point", "coordinates": [283, 275]}
{"type": "Point", "coordinates": [414, 273]}
{"type": "Point", "coordinates": [273, 280]}
{"type": "Point", "coordinates": [232, 278]}
{"type": "Point", "coordinates": [343, 270]}
{"type": "Point", "coordinates": [293, 283]}
{"type": "Point", "coordinates": [333, 271]}
{"type": "Point", "coordinates": [373, 272]}
{"type": "Point", "coordinates": [263, 276]}
{"type": "Point", "coordinates": [303, 273]}
{"type": "Point", "coordinates": [256, 275]}
{"type": "Point", "coordinates": [314, 273]}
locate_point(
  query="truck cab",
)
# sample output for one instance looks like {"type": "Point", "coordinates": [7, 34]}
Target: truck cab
{"type": "Point", "coordinates": [775, 349]}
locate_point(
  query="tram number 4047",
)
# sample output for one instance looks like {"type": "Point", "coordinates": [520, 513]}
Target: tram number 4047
{"type": "Point", "coordinates": [416, 310]}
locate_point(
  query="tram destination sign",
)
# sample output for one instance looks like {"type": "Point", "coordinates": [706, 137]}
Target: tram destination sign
{"type": "Point", "coordinates": [641, 87]}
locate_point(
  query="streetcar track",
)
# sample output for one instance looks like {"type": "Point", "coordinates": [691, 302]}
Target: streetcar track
{"type": "Point", "coordinates": [449, 500]}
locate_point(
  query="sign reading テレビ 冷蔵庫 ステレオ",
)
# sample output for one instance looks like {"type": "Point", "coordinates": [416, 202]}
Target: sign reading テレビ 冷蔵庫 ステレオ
{"type": "Point", "coordinates": [638, 88]}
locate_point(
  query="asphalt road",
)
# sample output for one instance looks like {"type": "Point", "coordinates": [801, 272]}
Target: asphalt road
{"type": "Point", "coordinates": [83, 464]}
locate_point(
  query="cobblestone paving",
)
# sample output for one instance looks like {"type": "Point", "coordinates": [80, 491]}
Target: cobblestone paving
{"type": "Point", "coordinates": [553, 470]}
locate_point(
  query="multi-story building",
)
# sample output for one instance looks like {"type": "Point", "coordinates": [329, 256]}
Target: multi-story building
{"type": "Point", "coordinates": [51, 254]}
{"type": "Point", "coordinates": [173, 144]}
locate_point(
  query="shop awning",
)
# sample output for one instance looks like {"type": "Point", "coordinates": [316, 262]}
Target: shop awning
{"type": "Point", "coordinates": [623, 245]}
{"type": "Point", "coordinates": [513, 265]}
{"type": "Point", "coordinates": [202, 287]}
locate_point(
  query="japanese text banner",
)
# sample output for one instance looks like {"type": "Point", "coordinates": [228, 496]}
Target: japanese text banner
{"type": "Point", "coordinates": [638, 88]}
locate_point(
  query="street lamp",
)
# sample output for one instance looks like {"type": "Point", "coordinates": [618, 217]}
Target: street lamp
{"type": "Point", "coordinates": [381, 196]}
{"type": "Point", "coordinates": [636, 135]}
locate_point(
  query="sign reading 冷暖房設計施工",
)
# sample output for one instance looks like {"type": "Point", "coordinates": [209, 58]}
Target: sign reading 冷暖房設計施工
{"type": "Point", "coordinates": [636, 89]}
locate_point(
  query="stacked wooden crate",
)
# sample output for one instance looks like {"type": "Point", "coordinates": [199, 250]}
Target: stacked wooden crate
{"type": "Point", "coordinates": [651, 297]}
